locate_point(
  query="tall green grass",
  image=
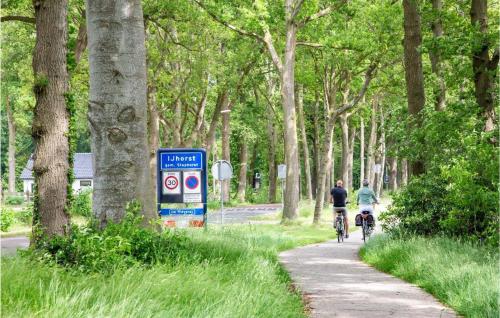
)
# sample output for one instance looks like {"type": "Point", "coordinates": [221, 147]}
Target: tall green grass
{"type": "Point", "coordinates": [232, 272]}
{"type": "Point", "coordinates": [460, 274]}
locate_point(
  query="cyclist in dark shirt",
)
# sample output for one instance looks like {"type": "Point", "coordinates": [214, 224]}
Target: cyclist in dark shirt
{"type": "Point", "coordinates": [338, 198]}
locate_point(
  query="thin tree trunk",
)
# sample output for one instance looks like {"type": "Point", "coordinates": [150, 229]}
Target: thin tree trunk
{"type": "Point", "coordinates": [273, 143]}
{"type": "Point", "coordinates": [362, 152]}
{"type": "Point", "coordinates": [370, 175]}
{"type": "Point", "coordinates": [344, 171]}
{"type": "Point", "coordinates": [483, 66]}
{"type": "Point", "coordinates": [292, 194]}
{"type": "Point", "coordinates": [393, 173]}
{"type": "Point", "coordinates": [380, 183]}
{"type": "Point", "coordinates": [305, 146]}
{"type": "Point", "coordinates": [226, 150]}
{"type": "Point", "coordinates": [413, 71]}
{"type": "Point", "coordinates": [12, 146]}
{"type": "Point", "coordinates": [118, 109]}
{"type": "Point", "coordinates": [404, 172]}
{"type": "Point", "coordinates": [316, 146]}
{"type": "Point", "coordinates": [435, 56]}
{"type": "Point", "coordinates": [222, 103]}
{"type": "Point", "coordinates": [50, 128]}
{"type": "Point", "coordinates": [350, 161]}
{"type": "Point", "coordinates": [242, 183]}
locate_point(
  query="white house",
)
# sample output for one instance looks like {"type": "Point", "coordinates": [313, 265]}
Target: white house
{"type": "Point", "coordinates": [83, 172]}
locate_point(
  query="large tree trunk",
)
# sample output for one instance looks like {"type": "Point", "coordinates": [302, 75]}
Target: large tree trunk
{"type": "Point", "coordinates": [435, 56]}
{"type": "Point", "coordinates": [118, 109]}
{"type": "Point", "coordinates": [370, 175]}
{"type": "Point", "coordinates": [362, 152]}
{"type": "Point", "coordinates": [242, 180]}
{"type": "Point", "coordinates": [12, 146]}
{"type": "Point", "coordinates": [350, 160]}
{"type": "Point", "coordinates": [226, 150]}
{"type": "Point", "coordinates": [413, 71]}
{"type": "Point", "coordinates": [344, 170]}
{"type": "Point", "coordinates": [484, 68]}
{"type": "Point", "coordinates": [51, 120]}
{"type": "Point", "coordinates": [273, 173]}
{"type": "Point", "coordinates": [292, 194]}
{"type": "Point", "coordinates": [305, 147]}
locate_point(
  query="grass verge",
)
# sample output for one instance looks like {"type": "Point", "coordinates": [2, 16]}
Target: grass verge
{"type": "Point", "coordinates": [462, 275]}
{"type": "Point", "coordinates": [238, 275]}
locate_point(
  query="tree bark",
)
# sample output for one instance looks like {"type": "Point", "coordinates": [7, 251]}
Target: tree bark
{"type": "Point", "coordinates": [292, 194]}
{"type": "Point", "coordinates": [350, 161]}
{"type": "Point", "coordinates": [222, 103]}
{"type": "Point", "coordinates": [226, 150]}
{"type": "Point", "coordinates": [273, 142]}
{"type": "Point", "coordinates": [50, 128]}
{"type": "Point", "coordinates": [153, 132]}
{"type": "Point", "coordinates": [344, 171]}
{"type": "Point", "coordinates": [305, 146]}
{"type": "Point", "coordinates": [12, 146]}
{"type": "Point", "coordinates": [435, 56]}
{"type": "Point", "coordinates": [362, 152]}
{"type": "Point", "coordinates": [404, 172]}
{"type": "Point", "coordinates": [393, 173]}
{"type": "Point", "coordinates": [242, 183]}
{"type": "Point", "coordinates": [316, 146]}
{"type": "Point", "coordinates": [370, 175]}
{"type": "Point", "coordinates": [413, 71]}
{"type": "Point", "coordinates": [380, 182]}
{"type": "Point", "coordinates": [118, 109]}
{"type": "Point", "coordinates": [483, 66]}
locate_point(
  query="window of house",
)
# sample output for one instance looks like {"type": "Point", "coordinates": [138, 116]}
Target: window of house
{"type": "Point", "coordinates": [85, 183]}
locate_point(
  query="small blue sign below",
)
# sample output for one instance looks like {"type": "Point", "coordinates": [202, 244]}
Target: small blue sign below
{"type": "Point", "coordinates": [181, 160]}
{"type": "Point", "coordinates": [194, 211]}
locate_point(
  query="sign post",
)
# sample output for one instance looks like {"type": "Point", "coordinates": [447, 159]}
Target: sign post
{"type": "Point", "coordinates": [182, 179]}
{"type": "Point", "coordinates": [222, 170]}
{"type": "Point", "coordinates": [282, 177]}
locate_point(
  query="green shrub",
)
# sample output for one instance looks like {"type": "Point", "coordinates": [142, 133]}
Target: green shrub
{"type": "Point", "coordinates": [6, 219]}
{"type": "Point", "coordinates": [14, 200]}
{"type": "Point", "coordinates": [26, 215]}
{"type": "Point", "coordinates": [82, 203]}
{"type": "Point", "coordinates": [451, 201]}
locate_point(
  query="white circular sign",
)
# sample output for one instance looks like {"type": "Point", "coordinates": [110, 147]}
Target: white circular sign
{"type": "Point", "coordinates": [222, 170]}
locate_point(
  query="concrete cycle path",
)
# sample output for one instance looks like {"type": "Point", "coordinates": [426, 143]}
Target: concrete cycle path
{"type": "Point", "coordinates": [336, 283]}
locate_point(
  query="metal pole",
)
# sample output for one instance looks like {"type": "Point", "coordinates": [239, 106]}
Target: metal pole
{"type": "Point", "coordinates": [282, 194]}
{"type": "Point", "coordinates": [221, 195]}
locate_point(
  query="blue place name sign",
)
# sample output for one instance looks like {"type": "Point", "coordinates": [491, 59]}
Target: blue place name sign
{"type": "Point", "coordinates": [195, 211]}
{"type": "Point", "coordinates": [181, 160]}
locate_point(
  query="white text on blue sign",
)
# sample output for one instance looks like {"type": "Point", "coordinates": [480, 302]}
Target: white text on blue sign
{"type": "Point", "coordinates": [196, 211]}
{"type": "Point", "coordinates": [181, 160]}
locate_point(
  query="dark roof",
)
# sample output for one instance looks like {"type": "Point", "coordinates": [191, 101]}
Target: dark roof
{"type": "Point", "coordinates": [83, 168]}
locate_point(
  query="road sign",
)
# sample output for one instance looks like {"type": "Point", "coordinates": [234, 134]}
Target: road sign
{"type": "Point", "coordinates": [192, 182]}
{"type": "Point", "coordinates": [222, 170]}
{"type": "Point", "coordinates": [377, 168]}
{"type": "Point", "coordinates": [182, 178]}
{"type": "Point", "coordinates": [281, 171]}
{"type": "Point", "coordinates": [171, 183]}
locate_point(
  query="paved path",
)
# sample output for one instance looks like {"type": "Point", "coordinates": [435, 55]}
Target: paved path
{"type": "Point", "coordinates": [11, 244]}
{"type": "Point", "coordinates": [337, 284]}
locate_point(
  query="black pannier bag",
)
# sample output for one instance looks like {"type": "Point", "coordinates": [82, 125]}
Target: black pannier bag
{"type": "Point", "coordinates": [370, 219]}
{"type": "Point", "coordinates": [359, 220]}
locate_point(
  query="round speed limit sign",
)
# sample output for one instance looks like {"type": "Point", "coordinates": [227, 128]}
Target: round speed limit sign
{"type": "Point", "coordinates": [171, 183]}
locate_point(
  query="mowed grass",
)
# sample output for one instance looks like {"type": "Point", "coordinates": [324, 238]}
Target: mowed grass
{"type": "Point", "coordinates": [238, 275]}
{"type": "Point", "coordinates": [462, 275]}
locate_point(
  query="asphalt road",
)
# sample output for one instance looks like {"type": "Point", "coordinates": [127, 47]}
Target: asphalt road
{"type": "Point", "coordinates": [238, 215]}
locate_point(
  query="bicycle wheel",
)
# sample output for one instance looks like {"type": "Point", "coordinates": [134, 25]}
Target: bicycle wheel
{"type": "Point", "coordinates": [364, 230]}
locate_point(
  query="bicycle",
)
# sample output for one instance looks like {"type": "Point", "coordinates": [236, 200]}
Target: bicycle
{"type": "Point", "coordinates": [339, 226]}
{"type": "Point", "coordinates": [367, 227]}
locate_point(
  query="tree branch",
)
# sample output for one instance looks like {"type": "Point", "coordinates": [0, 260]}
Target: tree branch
{"type": "Point", "coordinates": [321, 13]}
{"type": "Point", "coordinates": [368, 77]}
{"type": "Point", "coordinates": [17, 18]}
{"type": "Point", "coordinates": [227, 24]}
{"type": "Point", "coordinates": [268, 40]}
